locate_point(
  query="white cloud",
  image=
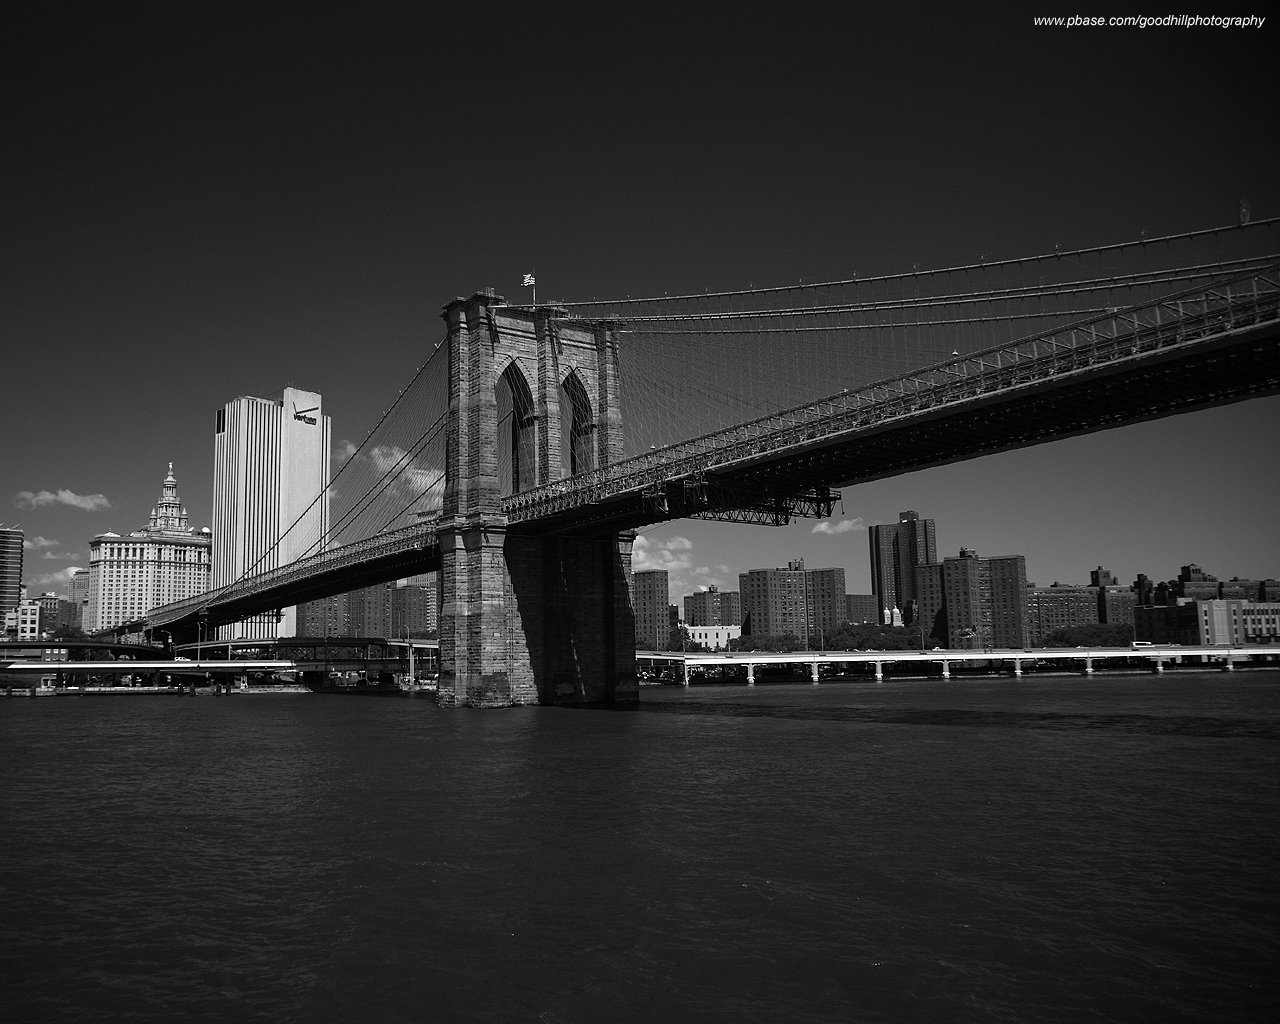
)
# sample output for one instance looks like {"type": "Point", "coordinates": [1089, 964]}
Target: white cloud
{"type": "Point", "coordinates": [650, 554]}
{"type": "Point", "coordinates": [343, 451]}
{"type": "Point", "coordinates": [411, 476]}
{"type": "Point", "coordinates": [843, 526]}
{"type": "Point", "coordinates": [61, 576]}
{"type": "Point", "coordinates": [684, 575]}
{"type": "Point", "coordinates": [36, 543]}
{"type": "Point", "coordinates": [61, 555]}
{"type": "Point", "coordinates": [39, 499]}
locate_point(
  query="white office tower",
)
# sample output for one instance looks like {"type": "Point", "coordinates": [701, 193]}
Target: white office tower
{"type": "Point", "coordinates": [270, 494]}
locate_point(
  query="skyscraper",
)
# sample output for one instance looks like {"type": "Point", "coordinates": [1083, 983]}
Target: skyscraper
{"type": "Point", "coordinates": [971, 602]}
{"type": "Point", "coordinates": [415, 610]}
{"type": "Point", "coordinates": [407, 608]}
{"type": "Point", "coordinates": [860, 608]}
{"type": "Point", "coordinates": [896, 550]}
{"type": "Point", "coordinates": [11, 540]}
{"type": "Point", "coordinates": [163, 562]}
{"type": "Point", "coordinates": [712, 607]}
{"type": "Point", "coordinates": [775, 601]}
{"type": "Point", "coordinates": [270, 493]}
{"type": "Point", "coordinates": [78, 595]}
{"type": "Point", "coordinates": [825, 602]}
{"type": "Point", "coordinates": [651, 599]}
{"type": "Point", "coordinates": [1049, 609]}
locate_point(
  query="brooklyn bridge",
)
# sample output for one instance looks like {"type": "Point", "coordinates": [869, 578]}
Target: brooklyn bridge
{"type": "Point", "coordinates": [534, 439]}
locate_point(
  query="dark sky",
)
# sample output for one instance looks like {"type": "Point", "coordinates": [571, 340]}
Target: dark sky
{"type": "Point", "coordinates": [209, 200]}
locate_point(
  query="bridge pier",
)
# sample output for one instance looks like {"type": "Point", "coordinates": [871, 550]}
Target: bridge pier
{"type": "Point", "coordinates": [815, 673]}
{"type": "Point", "coordinates": [879, 671]}
{"type": "Point", "coordinates": [529, 618]}
{"type": "Point", "coordinates": [751, 674]}
{"type": "Point", "coordinates": [535, 620]}
{"type": "Point", "coordinates": [946, 670]}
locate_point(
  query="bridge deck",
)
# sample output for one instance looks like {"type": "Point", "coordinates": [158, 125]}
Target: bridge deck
{"type": "Point", "coordinates": [1202, 347]}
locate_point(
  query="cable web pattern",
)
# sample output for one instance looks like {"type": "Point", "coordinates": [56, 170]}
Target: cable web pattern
{"type": "Point", "coordinates": [395, 477]}
{"type": "Point", "coordinates": [392, 479]}
{"type": "Point", "coordinates": [691, 365]}
{"type": "Point", "coordinates": [710, 380]}
{"type": "Point", "coordinates": [695, 364]}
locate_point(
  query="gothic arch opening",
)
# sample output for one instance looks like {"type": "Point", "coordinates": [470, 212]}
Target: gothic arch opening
{"type": "Point", "coordinates": [577, 431]}
{"type": "Point", "coordinates": [517, 433]}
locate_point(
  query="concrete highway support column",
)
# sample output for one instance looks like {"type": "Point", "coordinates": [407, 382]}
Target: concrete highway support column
{"type": "Point", "coordinates": [1088, 666]}
{"type": "Point", "coordinates": [879, 671]}
{"type": "Point", "coordinates": [1017, 667]}
{"type": "Point", "coordinates": [946, 670]}
{"type": "Point", "coordinates": [527, 618]}
{"type": "Point", "coordinates": [751, 674]}
{"type": "Point", "coordinates": [815, 673]}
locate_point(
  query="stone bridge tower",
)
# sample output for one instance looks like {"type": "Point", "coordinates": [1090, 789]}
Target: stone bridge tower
{"type": "Point", "coordinates": [529, 618]}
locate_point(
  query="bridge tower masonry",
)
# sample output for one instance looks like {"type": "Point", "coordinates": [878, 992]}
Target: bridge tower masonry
{"type": "Point", "coordinates": [528, 618]}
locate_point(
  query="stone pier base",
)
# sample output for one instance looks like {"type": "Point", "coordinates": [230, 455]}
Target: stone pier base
{"type": "Point", "coordinates": [535, 620]}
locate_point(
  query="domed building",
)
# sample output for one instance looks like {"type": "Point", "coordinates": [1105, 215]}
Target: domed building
{"type": "Point", "coordinates": [164, 561]}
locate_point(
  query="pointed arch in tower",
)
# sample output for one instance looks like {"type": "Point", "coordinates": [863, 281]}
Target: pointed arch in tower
{"type": "Point", "coordinates": [578, 427]}
{"type": "Point", "coordinates": [517, 433]}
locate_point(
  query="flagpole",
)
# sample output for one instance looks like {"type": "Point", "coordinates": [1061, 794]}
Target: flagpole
{"type": "Point", "coordinates": [535, 286]}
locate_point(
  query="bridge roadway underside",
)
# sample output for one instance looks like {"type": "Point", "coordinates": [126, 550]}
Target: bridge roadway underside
{"type": "Point", "coordinates": [338, 580]}
{"type": "Point", "coordinates": [1239, 366]}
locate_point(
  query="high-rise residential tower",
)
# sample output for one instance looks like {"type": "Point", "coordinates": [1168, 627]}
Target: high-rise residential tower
{"type": "Point", "coordinates": [775, 601]}
{"type": "Point", "coordinates": [824, 603]}
{"type": "Point", "coordinates": [896, 550]}
{"type": "Point", "coordinates": [270, 493]}
{"type": "Point", "coordinates": [712, 607]}
{"type": "Point", "coordinates": [971, 602]}
{"type": "Point", "coordinates": [11, 540]}
{"type": "Point", "coordinates": [651, 599]}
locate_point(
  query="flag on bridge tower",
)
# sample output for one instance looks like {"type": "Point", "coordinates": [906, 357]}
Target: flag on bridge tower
{"type": "Point", "coordinates": [528, 283]}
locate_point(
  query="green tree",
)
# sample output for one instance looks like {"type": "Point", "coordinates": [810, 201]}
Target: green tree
{"type": "Point", "coordinates": [1092, 634]}
{"type": "Point", "coordinates": [872, 637]}
{"type": "Point", "coordinates": [781, 642]}
{"type": "Point", "coordinates": [679, 640]}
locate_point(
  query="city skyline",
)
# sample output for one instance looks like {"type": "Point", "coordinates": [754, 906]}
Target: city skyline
{"type": "Point", "coordinates": [185, 237]}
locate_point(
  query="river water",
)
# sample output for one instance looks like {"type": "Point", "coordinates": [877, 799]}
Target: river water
{"type": "Point", "coordinates": [1056, 849]}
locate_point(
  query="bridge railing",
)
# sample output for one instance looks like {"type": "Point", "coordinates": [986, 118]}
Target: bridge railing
{"type": "Point", "coordinates": [1234, 302]}
{"type": "Point", "coordinates": [408, 538]}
